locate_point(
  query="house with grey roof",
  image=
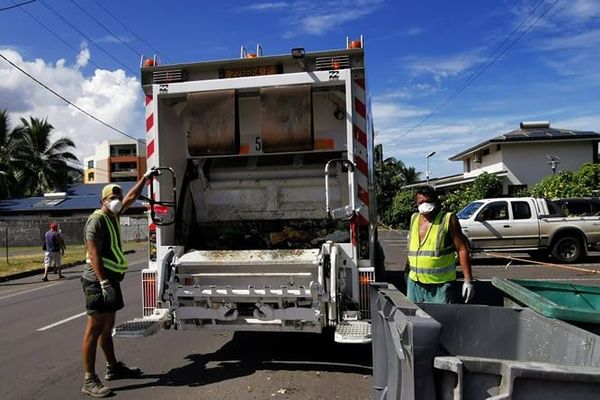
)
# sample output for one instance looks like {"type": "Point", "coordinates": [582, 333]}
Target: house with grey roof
{"type": "Point", "coordinates": [24, 221]}
{"type": "Point", "coordinates": [524, 156]}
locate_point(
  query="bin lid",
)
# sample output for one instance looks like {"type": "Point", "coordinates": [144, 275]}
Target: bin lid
{"type": "Point", "coordinates": [561, 300]}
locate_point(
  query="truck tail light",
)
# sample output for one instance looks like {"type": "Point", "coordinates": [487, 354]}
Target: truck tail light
{"type": "Point", "coordinates": [149, 293]}
{"type": "Point", "coordinates": [366, 275]}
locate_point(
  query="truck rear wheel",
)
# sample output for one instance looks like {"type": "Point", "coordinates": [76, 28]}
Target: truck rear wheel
{"type": "Point", "coordinates": [567, 249]}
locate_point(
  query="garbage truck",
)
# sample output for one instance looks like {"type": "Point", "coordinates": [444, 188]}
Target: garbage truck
{"type": "Point", "coordinates": [262, 208]}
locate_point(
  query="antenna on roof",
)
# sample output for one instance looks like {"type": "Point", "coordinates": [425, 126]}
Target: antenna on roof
{"type": "Point", "coordinates": [553, 162]}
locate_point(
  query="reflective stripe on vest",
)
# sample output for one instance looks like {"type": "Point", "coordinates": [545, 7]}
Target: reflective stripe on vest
{"type": "Point", "coordinates": [431, 261]}
{"type": "Point", "coordinates": [117, 262]}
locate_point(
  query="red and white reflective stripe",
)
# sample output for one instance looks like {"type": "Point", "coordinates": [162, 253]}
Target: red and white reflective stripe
{"type": "Point", "coordinates": [359, 129]}
{"type": "Point", "coordinates": [150, 131]}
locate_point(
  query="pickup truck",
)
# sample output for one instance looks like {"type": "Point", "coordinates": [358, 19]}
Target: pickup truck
{"type": "Point", "coordinates": [525, 224]}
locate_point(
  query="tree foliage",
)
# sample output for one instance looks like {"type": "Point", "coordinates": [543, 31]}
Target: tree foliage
{"type": "Point", "coordinates": [483, 187]}
{"type": "Point", "coordinates": [391, 175]}
{"type": "Point", "coordinates": [566, 184]}
{"type": "Point", "coordinates": [30, 162]}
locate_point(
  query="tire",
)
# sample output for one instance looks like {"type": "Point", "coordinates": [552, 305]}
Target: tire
{"type": "Point", "coordinates": [567, 249]}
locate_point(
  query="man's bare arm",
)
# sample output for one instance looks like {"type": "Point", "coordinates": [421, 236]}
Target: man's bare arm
{"type": "Point", "coordinates": [133, 194]}
{"type": "Point", "coordinates": [462, 248]}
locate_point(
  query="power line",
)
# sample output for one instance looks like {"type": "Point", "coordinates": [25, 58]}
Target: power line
{"type": "Point", "coordinates": [132, 32]}
{"type": "Point", "coordinates": [485, 66]}
{"type": "Point", "coordinates": [67, 100]}
{"type": "Point", "coordinates": [66, 21]}
{"type": "Point", "coordinates": [17, 5]}
{"type": "Point", "coordinates": [136, 52]}
{"type": "Point", "coordinates": [56, 35]}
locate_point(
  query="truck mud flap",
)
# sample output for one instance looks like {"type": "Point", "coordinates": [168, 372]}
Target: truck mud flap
{"type": "Point", "coordinates": [141, 327]}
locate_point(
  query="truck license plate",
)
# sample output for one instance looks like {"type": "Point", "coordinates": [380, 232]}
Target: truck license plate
{"type": "Point", "coordinates": [250, 71]}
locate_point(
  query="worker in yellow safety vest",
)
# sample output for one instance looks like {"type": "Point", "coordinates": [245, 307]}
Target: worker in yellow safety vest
{"type": "Point", "coordinates": [435, 243]}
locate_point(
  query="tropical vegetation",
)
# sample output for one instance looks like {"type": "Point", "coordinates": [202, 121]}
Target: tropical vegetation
{"type": "Point", "coordinates": [31, 163]}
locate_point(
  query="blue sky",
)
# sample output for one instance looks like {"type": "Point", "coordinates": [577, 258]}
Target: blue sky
{"type": "Point", "coordinates": [419, 54]}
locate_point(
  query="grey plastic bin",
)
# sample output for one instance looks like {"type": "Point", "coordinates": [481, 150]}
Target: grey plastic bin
{"type": "Point", "coordinates": [481, 352]}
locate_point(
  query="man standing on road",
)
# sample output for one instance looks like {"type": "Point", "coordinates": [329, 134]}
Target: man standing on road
{"type": "Point", "coordinates": [105, 269]}
{"type": "Point", "coordinates": [52, 245]}
{"type": "Point", "coordinates": [434, 240]}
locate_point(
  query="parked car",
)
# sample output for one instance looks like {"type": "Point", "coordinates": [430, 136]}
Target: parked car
{"type": "Point", "coordinates": [530, 225]}
{"type": "Point", "coordinates": [580, 206]}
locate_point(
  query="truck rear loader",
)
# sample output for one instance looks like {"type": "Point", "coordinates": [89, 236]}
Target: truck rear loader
{"type": "Point", "coordinates": [262, 212]}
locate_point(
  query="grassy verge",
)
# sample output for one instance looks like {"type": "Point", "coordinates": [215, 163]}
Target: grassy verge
{"type": "Point", "coordinates": [31, 258]}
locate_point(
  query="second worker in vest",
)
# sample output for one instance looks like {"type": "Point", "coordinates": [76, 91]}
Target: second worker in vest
{"type": "Point", "coordinates": [105, 269]}
{"type": "Point", "coordinates": [435, 243]}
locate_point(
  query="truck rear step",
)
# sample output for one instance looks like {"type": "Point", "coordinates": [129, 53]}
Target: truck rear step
{"type": "Point", "coordinates": [353, 332]}
{"type": "Point", "coordinates": [141, 327]}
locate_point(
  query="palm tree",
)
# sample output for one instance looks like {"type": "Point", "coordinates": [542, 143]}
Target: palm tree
{"type": "Point", "coordinates": [42, 164]}
{"type": "Point", "coordinates": [8, 184]}
{"type": "Point", "coordinates": [410, 175]}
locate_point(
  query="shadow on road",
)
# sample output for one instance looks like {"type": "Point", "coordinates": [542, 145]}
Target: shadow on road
{"type": "Point", "coordinates": [249, 352]}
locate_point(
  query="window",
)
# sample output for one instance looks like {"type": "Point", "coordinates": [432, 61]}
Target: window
{"type": "Point", "coordinates": [495, 211]}
{"type": "Point", "coordinates": [90, 176]}
{"type": "Point", "coordinates": [486, 151]}
{"type": "Point", "coordinates": [468, 164]}
{"type": "Point", "coordinates": [521, 210]}
{"type": "Point", "coordinates": [498, 147]}
{"type": "Point", "coordinates": [91, 164]}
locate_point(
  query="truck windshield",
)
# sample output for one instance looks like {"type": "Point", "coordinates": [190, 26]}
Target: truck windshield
{"type": "Point", "coordinates": [466, 212]}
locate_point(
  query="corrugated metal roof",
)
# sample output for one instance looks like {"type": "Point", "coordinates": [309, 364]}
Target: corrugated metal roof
{"type": "Point", "coordinates": [530, 135]}
{"type": "Point", "coordinates": [79, 197]}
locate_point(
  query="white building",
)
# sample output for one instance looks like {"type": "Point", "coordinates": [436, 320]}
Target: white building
{"type": "Point", "coordinates": [116, 161]}
{"type": "Point", "coordinates": [524, 156]}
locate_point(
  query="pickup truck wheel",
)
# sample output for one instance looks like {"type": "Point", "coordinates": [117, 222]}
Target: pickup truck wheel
{"type": "Point", "coordinates": [567, 249]}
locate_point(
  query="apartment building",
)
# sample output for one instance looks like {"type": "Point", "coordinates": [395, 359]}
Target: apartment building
{"type": "Point", "coordinates": [116, 161]}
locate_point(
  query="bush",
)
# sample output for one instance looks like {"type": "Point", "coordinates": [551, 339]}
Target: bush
{"type": "Point", "coordinates": [402, 207]}
{"type": "Point", "coordinates": [485, 186]}
{"type": "Point", "coordinates": [567, 184]}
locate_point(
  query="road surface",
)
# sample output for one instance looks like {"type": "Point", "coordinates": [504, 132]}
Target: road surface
{"type": "Point", "coordinates": [40, 339]}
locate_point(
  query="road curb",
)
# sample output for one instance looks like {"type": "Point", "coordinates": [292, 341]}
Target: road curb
{"type": "Point", "coordinates": [38, 271]}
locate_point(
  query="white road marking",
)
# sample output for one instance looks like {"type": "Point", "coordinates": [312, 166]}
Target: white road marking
{"type": "Point", "coordinates": [61, 322]}
{"type": "Point", "coordinates": [29, 291]}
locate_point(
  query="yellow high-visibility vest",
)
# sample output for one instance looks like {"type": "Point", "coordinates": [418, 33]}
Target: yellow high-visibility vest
{"type": "Point", "coordinates": [112, 254]}
{"type": "Point", "coordinates": [432, 260]}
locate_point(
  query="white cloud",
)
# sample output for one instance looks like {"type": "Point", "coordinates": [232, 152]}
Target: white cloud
{"type": "Point", "coordinates": [441, 67]}
{"type": "Point", "coordinates": [588, 39]}
{"type": "Point", "coordinates": [317, 17]}
{"type": "Point", "coordinates": [579, 10]}
{"type": "Point", "coordinates": [267, 6]}
{"type": "Point", "coordinates": [414, 31]}
{"type": "Point", "coordinates": [83, 57]}
{"type": "Point", "coordinates": [112, 96]}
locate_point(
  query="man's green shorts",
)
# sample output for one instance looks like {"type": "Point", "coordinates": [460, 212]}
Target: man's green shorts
{"type": "Point", "coordinates": [441, 293]}
{"type": "Point", "coordinates": [94, 301]}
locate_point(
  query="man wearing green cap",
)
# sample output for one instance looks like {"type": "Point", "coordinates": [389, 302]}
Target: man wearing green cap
{"type": "Point", "coordinates": [105, 268]}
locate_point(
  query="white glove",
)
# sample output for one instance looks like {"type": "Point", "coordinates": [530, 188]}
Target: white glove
{"type": "Point", "coordinates": [108, 292]}
{"type": "Point", "coordinates": [468, 291]}
{"type": "Point", "coordinates": [149, 172]}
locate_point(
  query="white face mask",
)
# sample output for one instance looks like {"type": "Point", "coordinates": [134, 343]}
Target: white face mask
{"type": "Point", "coordinates": [426, 208]}
{"type": "Point", "coordinates": [115, 206]}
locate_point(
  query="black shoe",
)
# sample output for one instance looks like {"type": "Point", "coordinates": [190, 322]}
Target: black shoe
{"type": "Point", "coordinates": [45, 279]}
{"type": "Point", "coordinates": [121, 371]}
{"type": "Point", "coordinates": [61, 276]}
